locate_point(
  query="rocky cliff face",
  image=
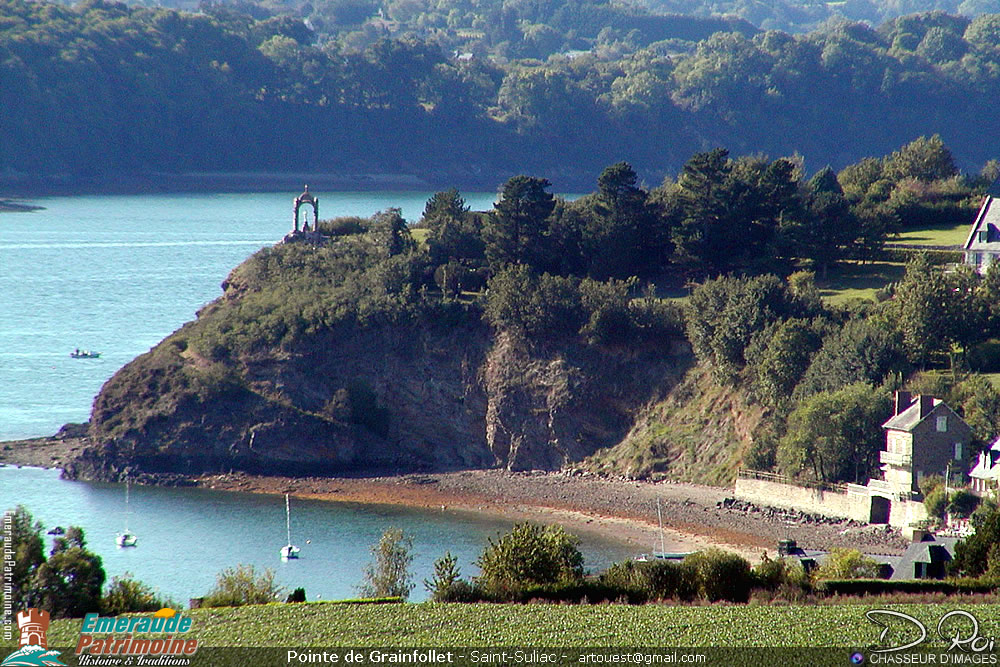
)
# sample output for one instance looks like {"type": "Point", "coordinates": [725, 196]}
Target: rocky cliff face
{"type": "Point", "coordinates": [388, 398]}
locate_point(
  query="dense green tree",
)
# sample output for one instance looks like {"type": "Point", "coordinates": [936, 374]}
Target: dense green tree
{"type": "Point", "coordinates": [836, 435]}
{"type": "Point", "coordinates": [857, 351]}
{"type": "Point", "coordinates": [778, 356]}
{"type": "Point", "coordinates": [28, 553]}
{"type": "Point", "coordinates": [724, 314]}
{"type": "Point", "coordinates": [515, 232]}
{"type": "Point", "coordinates": [455, 233]}
{"type": "Point", "coordinates": [828, 226]}
{"type": "Point", "coordinates": [925, 159]}
{"type": "Point", "coordinates": [625, 235]}
{"type": "Point", "coordinates": [68, 584]}
{"type": "Point", "coordinates": [978, 553]}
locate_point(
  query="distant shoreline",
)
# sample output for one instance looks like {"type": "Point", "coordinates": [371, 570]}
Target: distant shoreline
{"type": "Point", "coordinates": [13, 206]}
{"type": "Point", "coordinates": [31, 187]}
{"type": "Point", "coordinates": [619, 509]}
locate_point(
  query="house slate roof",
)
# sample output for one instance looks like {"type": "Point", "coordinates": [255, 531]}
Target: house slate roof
{"type": "Point", "coordinates": [908, 419]}
{"type": "Point", "coordinates": [933, 549]}
{"type": "Point", "coordinates": [988, 219]}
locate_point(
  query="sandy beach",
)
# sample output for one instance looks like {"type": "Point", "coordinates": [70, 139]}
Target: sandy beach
{"type": "Point", "coordinates": [694, 516]}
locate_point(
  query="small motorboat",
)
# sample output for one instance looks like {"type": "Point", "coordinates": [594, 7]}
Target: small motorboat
{"type": "Point", "coordinates": [84, 354]}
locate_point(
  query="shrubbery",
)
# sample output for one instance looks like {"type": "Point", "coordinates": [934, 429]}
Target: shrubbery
{"type": "Point", "coordinates": [242, 585]}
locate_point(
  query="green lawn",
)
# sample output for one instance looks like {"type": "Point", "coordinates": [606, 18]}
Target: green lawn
{"type": "Point", "coordinates": [851, 280]}
{"type": "Point", "coordinates": [443, 625]}
{"type": "Point", "coordinates": [953, 235]}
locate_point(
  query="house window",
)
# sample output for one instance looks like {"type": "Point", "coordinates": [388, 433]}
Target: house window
{"type": "Point", "coordinates": [958, 450]}
{"type": "Point", "coordinates": [984, 235]}
{"type": "Point", "coordinates": [942, 424]}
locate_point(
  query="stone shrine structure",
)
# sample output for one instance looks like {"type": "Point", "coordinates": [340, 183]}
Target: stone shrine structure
{"type": "Point", "coordinates": [306, 198]}
{"type": "Point", "coordinates": [307, 234]}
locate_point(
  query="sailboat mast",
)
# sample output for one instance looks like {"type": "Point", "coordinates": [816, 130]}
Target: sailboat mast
{"type": "Point", "coordinates": [126, 504]}
{"type": "Point", "coordinates": [288, 520]}
{"type": "Point", "coordinates": [659, 517]}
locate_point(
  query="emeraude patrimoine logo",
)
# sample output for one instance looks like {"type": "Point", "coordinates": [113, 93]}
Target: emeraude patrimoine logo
{"type": "Point", "coordinates": [123, 635]}
{"type": "Point", "coordinates": [33, 647]}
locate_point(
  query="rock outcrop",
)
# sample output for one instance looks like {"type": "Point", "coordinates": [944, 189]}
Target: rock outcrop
{"type": "Point", "coordinates": [373, 398]}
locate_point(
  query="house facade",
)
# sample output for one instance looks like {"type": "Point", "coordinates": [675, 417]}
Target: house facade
{"type": "Point", "coordinates": [924, 437]}
{"type": "Point", "coordinates": [982, 247]}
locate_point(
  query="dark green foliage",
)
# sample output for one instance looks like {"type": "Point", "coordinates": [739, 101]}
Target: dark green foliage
{"type": "Point", "coordinates": [936, 502]}
{"type": "Point", "coordinates": [446, 585]}
{"type": "Point", "coordinates": [778, 356]}
{"type": "Point", "coordinates": [28, 553]}
{"type": "Point", "coordinates": [298, 595]}
{"type": "Point", "coordinates": [388, 575]}
{"type": "Point", "coordinates": [242, 585]}
{"type": "Point", "coordinates": [724, 314]}
{"type": "Point", "coordinates": [858, 351]}
{"type": "Point", "coordinates": [976, 554]}
{"type": "Point", "coordinates": [721, 575]}
{"type": "Point", "coordinates": [455, 233]}
{"type": "Point", "coordinates": [68, 584]}
{"type": "Point", "coordinates": [126, 595]}
{"type": "Point", "coordinates": [864, 587]}
{"type": "Point", "coordinates": [963, 503]}
{"type": "Point", "coordinates": [515, 232]}
{"type": "Point", "coordinates": [728, 212]}
{"type": "Point", "coordinates": [546, 306]}
{"type": "Point", "coordinates": [650, 581]}
{"type": "Point", "coordinates": [529, 555]}
{"type": "Point", "coordinates": [837, 435]}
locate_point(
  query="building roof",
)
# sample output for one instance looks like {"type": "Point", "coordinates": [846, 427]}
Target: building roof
{"type": "Point", "coordinates": [932, 549]}
{"type": "Point", "coordinates": [908, 419]}
{"type": "Point", "coordinates": [987, 220]}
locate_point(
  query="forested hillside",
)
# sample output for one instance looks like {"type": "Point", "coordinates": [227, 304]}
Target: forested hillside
{"type": "Point", "coordinates": [542, 333]}
{"type": "Point", "coordinates": [103, 90]}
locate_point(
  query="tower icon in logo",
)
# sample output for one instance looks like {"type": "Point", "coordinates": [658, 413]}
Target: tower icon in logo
{"type": "Point", "coordinates": [33, 646]}
{"type": "Point", "coordinates": [33, 624]}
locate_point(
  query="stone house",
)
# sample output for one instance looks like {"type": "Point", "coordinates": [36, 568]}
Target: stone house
{"type": "Point", "coordinates": [923, 437]}
{"type": "Point", "coordinates": [926, 558]}
{"type": "Point", "coordinates": [982, 247]}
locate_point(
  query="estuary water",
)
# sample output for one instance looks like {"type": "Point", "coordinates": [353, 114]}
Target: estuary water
{"type": "Point", "coordinates": [116, 274]}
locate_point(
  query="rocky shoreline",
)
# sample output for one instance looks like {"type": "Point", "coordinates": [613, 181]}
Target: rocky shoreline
{"type": "Point", "coordinates": [694, 516]}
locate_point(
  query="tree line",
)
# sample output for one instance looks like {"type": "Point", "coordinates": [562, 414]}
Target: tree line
{"type": "Point", "coordinates": [103, 88]}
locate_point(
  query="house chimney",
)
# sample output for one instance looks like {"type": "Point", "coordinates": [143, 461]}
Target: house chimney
{"type": "Point", "coordinates": [903, 400]}
{"type": "Point", "coordinates": [926, 405]}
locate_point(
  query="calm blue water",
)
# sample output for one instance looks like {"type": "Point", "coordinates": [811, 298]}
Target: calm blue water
{"type": "Point", "coordinates": [118, 273]}
{"type": "Point", "coordinates": [187, 536]}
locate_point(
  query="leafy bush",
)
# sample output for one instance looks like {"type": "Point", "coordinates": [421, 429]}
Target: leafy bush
{"type": "Point", "coordinates": [529, 555]}
{"type": "Point", "coordinates": [847, 564]}
{"type": "Point", "coordinates": [126, 594]}
{"type": "Point", "coordinates": [242, 585]}
{"type": "Point", "coordinates": [720, 575]}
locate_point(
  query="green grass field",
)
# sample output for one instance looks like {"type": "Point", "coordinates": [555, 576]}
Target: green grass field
{"type": "Point", "coordinates": [851, 280]}
{"type": "Point", "coordinates": [953, 235]}
{"type": "Point", "coordinates": [443, 625]}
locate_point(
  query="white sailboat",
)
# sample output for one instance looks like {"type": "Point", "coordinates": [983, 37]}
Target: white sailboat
{"type": "Point", "coordinates": [126, 538]}
{"type": "Point", "coordinates": [288, 551]}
